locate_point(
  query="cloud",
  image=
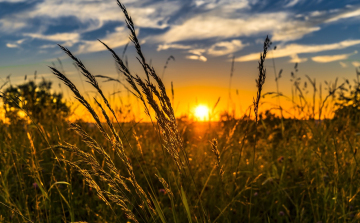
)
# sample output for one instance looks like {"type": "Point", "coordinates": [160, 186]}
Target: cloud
{"type": "Point", "coordinates": [317, 13]}
{"type": "Point", "coordinates": [20, 41]}
{"type": "Point", "coordinates": [292, 3]}
{"type": "Point", "coordinates": [296, 59]}
{"type": "Point", "coordinates": [11, 45]}
{"type": "Point", "coordinates": [294, 49]}
{"type": "Point", "coordinates": [217, 49]}
{"type": "Point", "coordinates": [68, 38]}
{"type": "Point", "coordinates": [46, 46]}
{"type": "Point", "coordinates": [113, 40]}
{"type": "Point", "coordinates": [197, 57]}
{"type": "Point", "coordinates": [15, 44]}
{"type": "Point", "coordinates": [223, 5]}
{"type": "Point", "coordinates": [88, 15]}
{"type": "Point", "coordinates": [154, 15]}
{"type": "Point", "coordinates": [198, 52]}
{"type": "Point", "coordinates": [9, 25]}
{"type": "Point", "coordinates": [210, 26]}
{"type": "Point", "coordinates": [223, 48]}
{"type": "Point", "coordinates": [343, 65]}
{"type": "Point", "coordinates": [344, 15]}
{"type": "Point", "coordinates": [62, 37]}
{"type": "Point", "coordinates": [356, 64]}
{"type": "Point", "coordinates": [174, 22]}
{"type": "Point", "coordinates": [331, 58]}
{"type": "Point", "coordinates": [292, 31]}
{"type": "Point", "coordinates": [172, 46]}
{"type": "Point", "coordinates": [12, 1]}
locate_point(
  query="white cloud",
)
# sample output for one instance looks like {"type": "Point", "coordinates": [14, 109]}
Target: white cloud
{"type": "Point", "coordinates": [296, 59]}
{"type": "Point", "coordinates": [12, 1]}
{"type": "Point", "coordinates": [62, 37]}
{"type": "Point", "coordinates": [197, 57]}
{"type": "Point", "coordinates": [317, 13]}
{"type": "Point", "coordinates": [344, 15]}
{"type": "Point", "coordinates": [292, 31]}
{"type": "Point", "coordinates": [15, 44]}
{"type": "Point", "coordinates": [20, 41]}
{"type": "Point", "coordinates": [331, 58]}
{"type": "Point", "coordinates": [217, 20]}
{"type": "Point", "coordinates": [356, 64]}
{"type": "Point", "coordinates": [67, 39]}
{"type": "Point", "coordinates": [9, 25]}
{"type": "Point", "coordinates": [295, 49]}
{"type": "Point", "coordinates": [292, 3]}
{"type": "Point", "coordinates": [207, 26]}
{"type": "Point", "coordinates": [48, 46]}
{"type": "Point", "coordinates": [223, 5]}
{"type": "Point", "coordinates": [95, 12]}
{"type": "Point", "coordinates": [113, 40]}
{"type": "Point", "coordinates": [172, 46]}
{"type": "Point", "coordinates": [11, 45]}
{"type": "Point", "coordinates": [217, 49]}
{"type": "Point", "coordinates": [343, 65]}
{"type": "Point", "coordinates": [223, 48]}
{"type": "Point", "coordinates": [198, 52]}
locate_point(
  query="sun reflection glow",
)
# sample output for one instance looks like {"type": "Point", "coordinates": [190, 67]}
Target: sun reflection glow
{"type": "Point", "coordinates": [202, 112]}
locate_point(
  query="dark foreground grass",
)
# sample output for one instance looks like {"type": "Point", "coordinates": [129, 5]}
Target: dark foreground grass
{"type": "Point", "coordinates": [267, 169]}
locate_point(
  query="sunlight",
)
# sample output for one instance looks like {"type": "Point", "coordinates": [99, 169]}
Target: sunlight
{"type": "Point", "coordinates": [202, 112]}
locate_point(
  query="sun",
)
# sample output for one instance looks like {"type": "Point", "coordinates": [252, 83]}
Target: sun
{"type": "Point", "coordinates": [202, 112]}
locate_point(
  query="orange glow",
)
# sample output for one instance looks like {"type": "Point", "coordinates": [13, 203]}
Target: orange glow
{"type": "Point", "coordinates": [202, 112]}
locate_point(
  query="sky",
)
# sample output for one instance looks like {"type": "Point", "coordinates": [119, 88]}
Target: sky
{"type": "Point", "coordinates": [322, 36]}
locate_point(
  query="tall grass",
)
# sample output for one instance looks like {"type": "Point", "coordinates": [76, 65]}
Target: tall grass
{"type": "Point", "coordinates": [265, 169]}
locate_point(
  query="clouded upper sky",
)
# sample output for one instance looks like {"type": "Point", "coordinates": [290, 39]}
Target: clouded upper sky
{"type": "Point", "coordinates": [323, 36]}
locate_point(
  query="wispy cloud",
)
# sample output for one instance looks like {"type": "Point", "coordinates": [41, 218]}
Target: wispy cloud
{"type": "Point", "coordinates": [13, 1]}
{"type": "Point", "coordinates": [292, 3]}
{"type": "Point", "coordinates": [223, 5]}
{"type": "Point", "coordinates": [332, 58]}
{"type": "Point", "coordinates": [344, 15]}
{"type": "Point", "coordinates": [11, 45]}
{"type": "Point", "coordinates": [116, 39]}
{"type": "Point", "coordinates": [212, 26]}
{"type": "Point", "coordinates": [293, 31]}
{"type": "Point", "coordinates": [69, 38]}
{"type": "Point", "coordinates": [154, 15]}
{"type": "Point", "coordinates": [167, 46]}
{"type": "Point", "coordinates": [89, 15]}
{"type": "Point", "coordinates": [15, 44]}
{"type": "Point", "coordinates": [356, 64]}
{"type": "Point", "coordinates": [223, 48]}
{"type": "Point", "coordinates": [291, 50]}
{"type": "Point", "coordinates": [10, 25]}
{"type": "Point", "coordinates": [197, 57]}
{"type": "Point", "coordinates": [219, 27]}
{"type": "Point", "coordinates": [47, 46]}
{"type": "Point", "coordinates": [296, 59]}
{"type": "Point", "coordinates": [343, 65]}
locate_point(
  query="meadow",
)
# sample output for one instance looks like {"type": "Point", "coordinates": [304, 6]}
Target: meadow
{"type": "Point", "coordinates": [263, 167]}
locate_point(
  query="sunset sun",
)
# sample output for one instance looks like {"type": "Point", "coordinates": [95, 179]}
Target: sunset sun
{"type": "Point", "coordinates": [202, 112]}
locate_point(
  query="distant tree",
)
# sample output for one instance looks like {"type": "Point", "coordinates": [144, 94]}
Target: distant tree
{"type": "Point", "coordinates": [348, 101]}
{"type": "Point", "coordinates": [37, 100]}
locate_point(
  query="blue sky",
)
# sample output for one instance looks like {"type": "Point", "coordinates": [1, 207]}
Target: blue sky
{"type": "Point", "coordinates": [323, 36]}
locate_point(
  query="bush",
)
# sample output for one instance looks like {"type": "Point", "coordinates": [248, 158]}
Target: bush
{"type": "Point", "coordinates": [36, 100]}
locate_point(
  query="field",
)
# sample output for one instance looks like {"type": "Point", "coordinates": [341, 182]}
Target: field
{"type": "Point", "coordinates": [259, 168]}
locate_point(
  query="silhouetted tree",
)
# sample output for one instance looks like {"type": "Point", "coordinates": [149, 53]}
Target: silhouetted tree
{"type": "Point", "coordinates": [348, 101]}
{"type": "Point", "coordinates": [37, 100]}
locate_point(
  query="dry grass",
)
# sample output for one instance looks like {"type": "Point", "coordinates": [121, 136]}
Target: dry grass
{"type": "Point", "coordinates": [165, 171]}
